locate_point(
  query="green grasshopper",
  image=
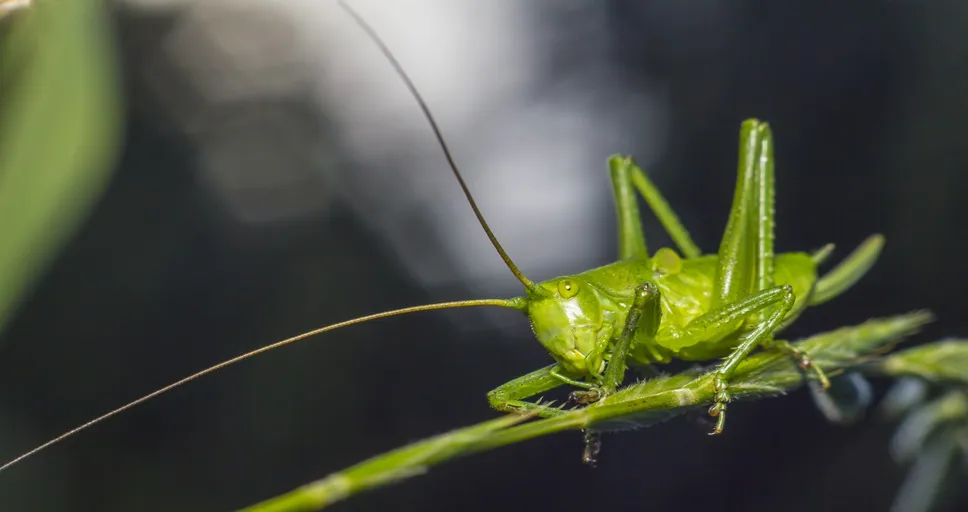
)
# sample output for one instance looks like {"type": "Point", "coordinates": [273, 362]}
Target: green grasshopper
{"type": "Point", "coordinates": [645, 308]}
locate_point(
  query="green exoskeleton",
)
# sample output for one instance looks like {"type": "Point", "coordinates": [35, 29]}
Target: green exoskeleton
{"type": "Point", "coordinates": [647, 307]}
{"type": "Point", "coordinates": [650, 308]}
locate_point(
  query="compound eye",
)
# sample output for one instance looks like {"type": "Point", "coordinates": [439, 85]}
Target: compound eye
{"type": "Point", "coordinates": [567, 288]}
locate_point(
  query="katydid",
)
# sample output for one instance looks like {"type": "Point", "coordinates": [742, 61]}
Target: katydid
{"type": "Point", "coordinates": [646, 307]}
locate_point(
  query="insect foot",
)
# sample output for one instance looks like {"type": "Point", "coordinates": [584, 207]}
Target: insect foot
{"type": "Point", "coordinates": [718, 409]}
{"type": "Point", "coordinates": [804, 361]}
{"type": "Point", "coordinates": [806, 364]}
{"type": "Point", "coordinates": [593, 445]}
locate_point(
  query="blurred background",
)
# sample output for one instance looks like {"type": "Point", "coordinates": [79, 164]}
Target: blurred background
{"type": "Point", "coordinates": [272, 175]}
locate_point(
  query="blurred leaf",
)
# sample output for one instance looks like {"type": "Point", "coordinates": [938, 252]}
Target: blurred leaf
{"type": "Point", "coordinates": [907, 393]}
{"type": "Point", "coordinates": [846, 400]}
{"type": "Point", "coordinates": [945, 361]}
{"type": "Point", "coordinates": [913, 433]}
{"type": "Point", "coordinates": [934, 429]}
{"type": "Point", "coordinates": [935, 471]}
{"type": "Point", "coordinates": [59, 127]}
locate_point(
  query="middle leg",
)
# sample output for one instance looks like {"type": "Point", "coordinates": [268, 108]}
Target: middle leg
{"type": "Point", "coordinates": [626, 178]}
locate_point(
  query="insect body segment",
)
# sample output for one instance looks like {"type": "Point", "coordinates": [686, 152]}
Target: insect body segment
{"type": "Point", "coordinates": [646, 310]}
{"type": "Point", "coordinates": [643, 308]}
{"type": "Point", "coordinates": [574, 322]}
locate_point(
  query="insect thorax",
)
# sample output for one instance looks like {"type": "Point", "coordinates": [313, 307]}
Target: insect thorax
{"type": "Point", "coordinates": [576, 317]}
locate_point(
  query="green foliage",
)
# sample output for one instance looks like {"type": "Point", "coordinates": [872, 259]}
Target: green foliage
{"type": "Point", "coordinates": [59, 124]}
{"type": "Point", "coordinates": [930, 404]}
{"type": "Point", "coordinates": [766, 374]}
{"type": "Point", "coordinates": [943, 362]}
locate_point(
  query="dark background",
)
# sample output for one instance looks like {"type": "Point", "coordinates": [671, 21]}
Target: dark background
{"type": "Point", "coordinates": [867, 100]}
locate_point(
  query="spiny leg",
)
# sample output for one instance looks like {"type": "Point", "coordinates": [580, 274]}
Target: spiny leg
{"type": "Point", "coordinates": [745, 258]}
{"type": "Point", "coordinates": [720, 322]}
{"type": "Point", "coordinates": [764, 224]}
{"type": "Point", "coordinates": [626, 175]}
{"type": "Point", "coordinates": [762, 332]}
{"type": "Point", "coordinates": [643, 318]}
{"type": "Point", "coordinates": [736, 271]}
{"type": "Point", "coordinates": [746, 253]}
{"type": "Point", "coordinates": [737, 261]}
{"type": "Point", "coordinates": [509, 397]}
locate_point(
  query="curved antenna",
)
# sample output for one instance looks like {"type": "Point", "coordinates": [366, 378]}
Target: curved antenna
{"type": "Point", "coordinates": [517, 303]}
{"type": "Point", "coordinates": [530, 285]}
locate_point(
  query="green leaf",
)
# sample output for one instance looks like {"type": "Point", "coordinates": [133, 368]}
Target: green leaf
{"type": "Point", "coordinates": [943, 362]}
{"type": "Point", "coordinates": [59, 126]}
{"type": "Point", "coordinates": [912, 434]}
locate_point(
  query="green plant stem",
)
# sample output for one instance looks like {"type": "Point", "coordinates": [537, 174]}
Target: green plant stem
{"type": "Point", "coordinates": [392, 466]}
{"type": "Point", "coordinates": [638, 405]}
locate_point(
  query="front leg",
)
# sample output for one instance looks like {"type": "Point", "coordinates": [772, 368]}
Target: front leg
{"type": "Point", "coordinates": [643, 319]}
{"type": "Point", "coordinates": [509, 397]}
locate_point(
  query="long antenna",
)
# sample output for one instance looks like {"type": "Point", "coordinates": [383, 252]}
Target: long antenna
{"type": "Point", "coordinates": [519, 304]}
{"type": "Point", "coordinates": [440, 139]}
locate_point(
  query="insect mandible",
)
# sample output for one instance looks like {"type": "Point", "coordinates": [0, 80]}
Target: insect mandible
{"type": "Point", "coordinates": [646, 307]}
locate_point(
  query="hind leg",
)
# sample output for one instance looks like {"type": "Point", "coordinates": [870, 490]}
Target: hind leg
{"type": "Point", "coordinates": [774, 302]}
{"type": "Point", "coordinates": [746, 256]}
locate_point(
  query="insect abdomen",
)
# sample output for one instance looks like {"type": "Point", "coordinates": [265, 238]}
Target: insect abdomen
{"type": "Point", "coordinates": [686, 296]}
